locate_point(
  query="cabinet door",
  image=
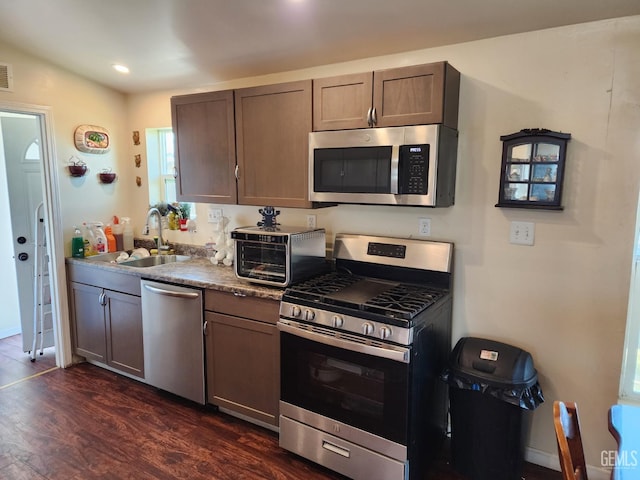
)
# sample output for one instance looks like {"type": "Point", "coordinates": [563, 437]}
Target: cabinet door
{"type": "Point", "coordinates": [203, 125]}
{"type": "Point", "coordinates": [87, 315]}
{"type": "Point", "coordinates": [243, 366]}
{"type": "Point", "coordinates": [342, 102]}
{"type": "Point", "coordinates": [420, 94]}
{"type": "Point", "coordinates": [124, 333]}
{"type": "Point", "coordinates": [272, 141]}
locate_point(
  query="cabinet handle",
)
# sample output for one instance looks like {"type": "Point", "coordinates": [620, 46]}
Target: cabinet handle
{"type": "Point", "coordinates": [172, 293]}
{"type": "Point", "coordinates": [102, 299]}
{"type": "Point", "coordinates": [336, 449]}
{"type": "Point", "coordinates": [239, 294]}
{"type": "Point", "coordinates": [205, 328]}
{"type": "Point", "coordinates": [175, 172]}
{"type": "Point", "coordinates": [237, 172]}
{"type": "Point", "coordinates": [369, 118]}
{"type": "Point", "coordinates": [374, 117]}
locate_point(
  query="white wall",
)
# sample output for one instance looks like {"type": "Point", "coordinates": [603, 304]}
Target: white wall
{"type": "Point", "coordinates": [564, 299]}
{"type": "Point", "coordinates": [75, 101]}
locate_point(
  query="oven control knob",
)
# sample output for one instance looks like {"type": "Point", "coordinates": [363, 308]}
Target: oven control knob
{"type": "Point", "coordinates": [295, 311]}
{"type": "Point", "coordinates": [338, 321]}
{"type": "Point", "coordinates": [385, 332]}
{"type": "Point", "coordinates": [309, 315]}
{"type": "Point", "coordinates": [367, 328]}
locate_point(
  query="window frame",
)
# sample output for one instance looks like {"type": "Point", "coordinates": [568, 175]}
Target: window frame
{"type": "Point", "coordinates": [630, 375]}
{"type": "Point", "coordinates": [159, 172]}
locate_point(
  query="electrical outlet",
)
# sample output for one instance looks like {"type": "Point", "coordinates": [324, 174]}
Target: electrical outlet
{"type": "Point", "coordinates": [522, 233]}
{"type": "Point", "coordinates": [424, 227]}
{"type": "Point", "coordinates": [311, 221]}
{"type": "Point", "coordinates": [214, 215]}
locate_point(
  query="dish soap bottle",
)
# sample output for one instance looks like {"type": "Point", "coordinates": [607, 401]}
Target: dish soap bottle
{"type": "Point", "coordinates": [77, 243]}
{"type": "Point", "coordinates": [89, 241]}
{"type": "Point", "coordinates": [111, 239]}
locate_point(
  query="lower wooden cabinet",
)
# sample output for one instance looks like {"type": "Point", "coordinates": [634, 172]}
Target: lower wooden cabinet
{"type": "Point", "coordinates": [106, 323]}
{"type": "Point", "coordinates": [243, 355]}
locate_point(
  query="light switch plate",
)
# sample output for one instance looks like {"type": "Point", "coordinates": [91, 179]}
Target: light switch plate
{"type": "Point", "coordinates": [522, 233]}
{"type": "Point", "coordinates": [214, 215]}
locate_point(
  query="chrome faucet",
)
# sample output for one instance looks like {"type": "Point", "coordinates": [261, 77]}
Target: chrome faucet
{"type": "Point", "coordinates": [156, 212]}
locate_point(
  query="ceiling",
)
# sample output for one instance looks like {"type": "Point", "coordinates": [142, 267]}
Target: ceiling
{"type": "Point", "coordinates": [176, 44]}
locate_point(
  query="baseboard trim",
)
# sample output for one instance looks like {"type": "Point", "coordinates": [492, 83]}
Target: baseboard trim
{"type": "Point", "coordinates": [552, 461]}
{"type": "Point", "coordinates": [10, 332]}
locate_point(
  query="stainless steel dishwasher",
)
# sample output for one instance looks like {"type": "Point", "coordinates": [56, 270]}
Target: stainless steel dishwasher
{"type": "Point", "coordinates": [172, 333]}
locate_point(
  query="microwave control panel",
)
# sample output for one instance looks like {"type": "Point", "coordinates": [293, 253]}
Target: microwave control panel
{"type": "Point", "coordinates": [413, 169]}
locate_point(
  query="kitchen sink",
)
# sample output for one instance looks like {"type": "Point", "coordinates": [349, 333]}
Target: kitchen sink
{"type": "Point", "coordinates": [155, 260]}
{"type": "Point", "coordinates": [104, 257]}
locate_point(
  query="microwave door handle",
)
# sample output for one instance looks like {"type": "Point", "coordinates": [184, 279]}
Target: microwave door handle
{"type": "Point", "coordinates": [395, 154]}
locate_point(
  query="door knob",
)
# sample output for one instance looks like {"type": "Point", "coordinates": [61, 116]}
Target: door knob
{"type": "Point", "coordinates": [23, 256]}
{"type": "Point", "coordinates": [22, 240]}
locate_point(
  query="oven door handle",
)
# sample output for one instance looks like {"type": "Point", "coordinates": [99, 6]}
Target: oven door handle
{"type": "Point", "coordinates": [398, 354]}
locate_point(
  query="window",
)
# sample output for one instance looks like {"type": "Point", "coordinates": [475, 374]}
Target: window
{"type": "Point", "coordinates": [33, 151]}
{"type": "Point", "coordinates": [630, 382]}
{"type": "Point", "coordinates": [161, 166]}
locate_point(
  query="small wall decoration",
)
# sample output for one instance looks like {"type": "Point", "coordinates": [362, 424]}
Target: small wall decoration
{"type": "Point", "coordinates": [532, 170]}
{"type": "Point", "coordinates": [92, 139]}
{"type": "Point", "coordinates": [77, 168]}
{"type": "Point", "coordinates": [136, 137]}
{"type": "Point", "coordinates": [139, 181]}
{"type": "Point", "coordinates": [138, 159]}
{"type": "Point", "coordinates": [107, 176]}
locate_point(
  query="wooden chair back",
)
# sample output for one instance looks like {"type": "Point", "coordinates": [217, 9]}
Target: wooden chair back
{"type": "Point", "coordinates": [570, 450]}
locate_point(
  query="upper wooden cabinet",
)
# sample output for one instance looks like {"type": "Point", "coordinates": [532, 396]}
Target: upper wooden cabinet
{"type": "Point", "coordinates": [415, 95]}
{"type": "Point", "coordinates": [272, 141]}
{"type": "Point", "coordinates": [203, 125]}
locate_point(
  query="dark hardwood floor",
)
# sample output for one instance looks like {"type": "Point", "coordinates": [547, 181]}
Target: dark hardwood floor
{"type": "Point", "coordinates": [16, 364]}
{"type": "Point", "coordinates": [84, 423]}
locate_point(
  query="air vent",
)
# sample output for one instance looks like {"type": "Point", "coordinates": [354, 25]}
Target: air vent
{"type": "Point", "coordinates": [6, 77]}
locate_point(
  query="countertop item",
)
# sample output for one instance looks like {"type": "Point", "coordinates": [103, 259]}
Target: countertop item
{"type": "Point", "coordinates": [197, 272]}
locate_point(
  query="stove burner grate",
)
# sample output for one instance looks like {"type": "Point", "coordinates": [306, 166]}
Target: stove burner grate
{"type": "Point", "coordinates": [399, 300]}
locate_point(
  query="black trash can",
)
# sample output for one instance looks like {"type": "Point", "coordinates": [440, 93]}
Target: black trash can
{"type": "Point", "coordinates": [493, 387]}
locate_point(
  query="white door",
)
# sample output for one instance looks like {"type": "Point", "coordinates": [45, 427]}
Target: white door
{"type": "Point", "coordinates": [22, 150]}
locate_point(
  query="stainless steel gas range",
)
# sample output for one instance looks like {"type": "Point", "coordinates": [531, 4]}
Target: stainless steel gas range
{"type": "Point", "coordinates": [362, 348]}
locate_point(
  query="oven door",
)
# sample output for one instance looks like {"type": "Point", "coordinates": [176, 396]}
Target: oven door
{"type": "Point", "coordinates": [323, 375]}
{"type": "Point", "coordinates": [262, 262]}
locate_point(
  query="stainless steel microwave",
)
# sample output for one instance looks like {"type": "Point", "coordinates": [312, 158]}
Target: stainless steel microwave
{"type": "Point", "coordinates": [279, 256]}
{"type": "Point", "coordinates": [414, 165]}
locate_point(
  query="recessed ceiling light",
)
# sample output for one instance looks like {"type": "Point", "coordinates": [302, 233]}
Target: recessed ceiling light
{"type": "Point", "coordinates": [120, 68]}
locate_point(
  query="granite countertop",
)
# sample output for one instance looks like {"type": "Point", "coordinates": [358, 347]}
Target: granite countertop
{"type": "Point", "coordinates": [195, 272]}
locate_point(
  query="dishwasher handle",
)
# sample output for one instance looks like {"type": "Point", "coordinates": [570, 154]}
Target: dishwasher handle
{"type": "Point", "coordinates": [172, 293]}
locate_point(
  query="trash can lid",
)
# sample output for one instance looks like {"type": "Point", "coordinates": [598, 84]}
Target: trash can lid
{"type": "Point", "coordinates": [493, 362]}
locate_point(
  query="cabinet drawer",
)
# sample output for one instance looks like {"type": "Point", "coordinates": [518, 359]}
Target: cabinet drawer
{"type": "Point", "coordinates": [254, 308]}
{"type": "Point", "coordinates": [99, 277]}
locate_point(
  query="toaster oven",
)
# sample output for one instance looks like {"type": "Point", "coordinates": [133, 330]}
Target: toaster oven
{"type": "Point", "coordinates": [279, 256]}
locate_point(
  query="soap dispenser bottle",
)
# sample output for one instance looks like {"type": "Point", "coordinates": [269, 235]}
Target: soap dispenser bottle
{"type": "Point", "coordinates": [77, 243]}
{"type": "Point", "coordinates": [111, 239]}
{"type": "Point", "coordinates": [127, 234]}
